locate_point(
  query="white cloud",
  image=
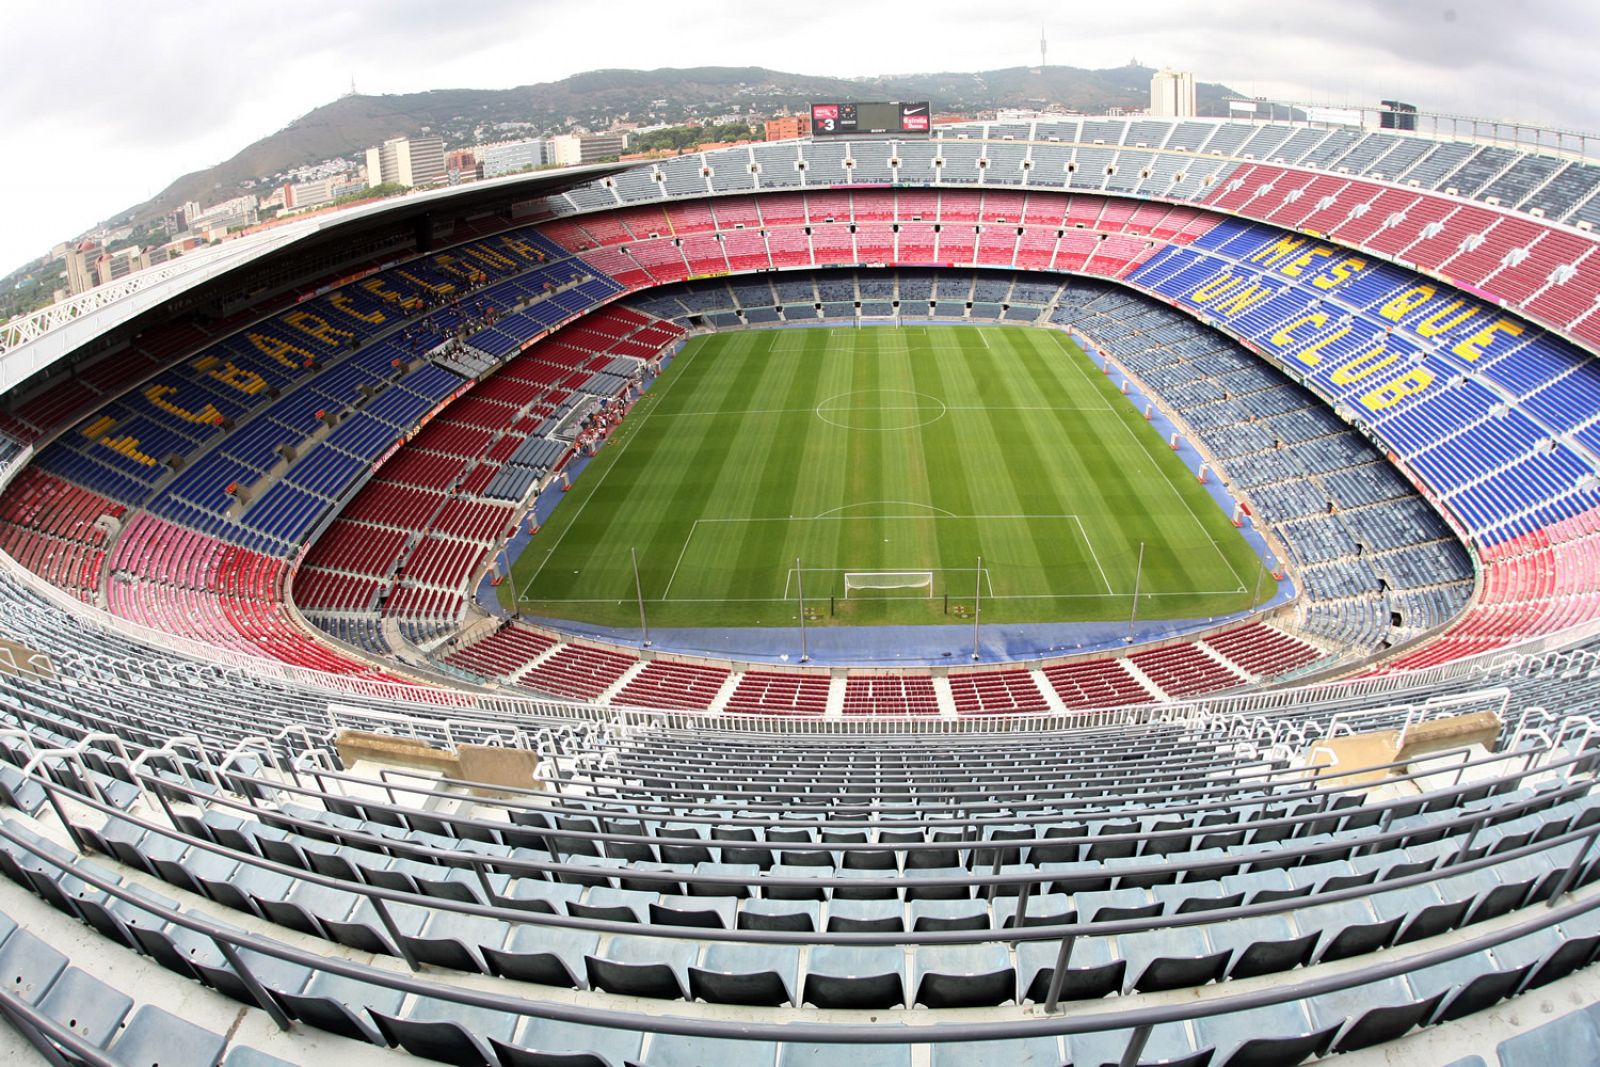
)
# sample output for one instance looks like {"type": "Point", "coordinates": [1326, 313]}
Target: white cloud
{"type": "Point", "coordinates": [106, 103]}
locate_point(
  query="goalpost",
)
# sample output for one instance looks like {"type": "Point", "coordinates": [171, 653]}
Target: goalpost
{"type": "Point", "coordinates": [856, 581]}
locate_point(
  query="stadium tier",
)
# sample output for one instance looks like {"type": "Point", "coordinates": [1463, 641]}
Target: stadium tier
{"type": "Point", "coordinates": [283, 781]}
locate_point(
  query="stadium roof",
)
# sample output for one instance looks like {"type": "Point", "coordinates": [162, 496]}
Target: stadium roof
{"type": "Point", "coordinates": [34, 342]}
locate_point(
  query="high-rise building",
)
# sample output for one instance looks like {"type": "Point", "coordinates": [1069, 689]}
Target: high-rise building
{"type": "Point", "coordinates": [574, 148]}
{"type": "Point", "coordinates": [1172, 94]}
{"type": "Point", "coordinates": [81, 275]}
{"type": "Point", "coordinates": [406, 161]}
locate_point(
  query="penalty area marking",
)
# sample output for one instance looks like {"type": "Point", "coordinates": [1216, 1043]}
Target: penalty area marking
{"type": "Point", "coordinates": [788, 577]}
{"type": "Point", "coordinates": [836, 515]}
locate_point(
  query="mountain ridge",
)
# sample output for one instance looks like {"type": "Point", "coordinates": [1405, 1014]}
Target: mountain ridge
{"type": "Point", "coordinates": [596, 99]}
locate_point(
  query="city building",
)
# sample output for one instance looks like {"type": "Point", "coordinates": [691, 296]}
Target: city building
{"type": "Point", "coordinates": [406, 161]}
{"type": "Point", "coordinates": [218, 219]}
{"type": "Point", "coordinates": [786, 128]}
{"type": "Point", "coordinates": [1172, 93]}
{"type": "Point", "coordinates": [507, 157]}
{"type": "Point", "coordinates": [315, 194]}
{"type": "Point", "coordinates": [573, 148]}
{"type": "Point", "coordinates": [179, 218]}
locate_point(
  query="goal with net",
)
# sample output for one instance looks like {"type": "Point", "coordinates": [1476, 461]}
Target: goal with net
{"type": "Point", "coordinates": [892, 583]}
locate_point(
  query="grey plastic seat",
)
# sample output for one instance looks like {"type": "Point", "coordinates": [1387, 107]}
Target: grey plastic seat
{"type": "Point", "coordinates": [749, 974]}
{"type": "Point", "coordinates": [1580, 944]}
{"type": "Point", "coordinates": [305, 905]}
{"type": "Point", "coordinates": [1167, 1046]}
{"type": "Point", "coordinates": [1017, 1052]}
{"type": "Point", "coordinates": [718, 913]}
{"type": "Point", "coordinates": [613, 905]}
{"type": "Point", "coordinates": [642, 967]}
{"type": "Point", "coordinates": [1173, 958]}
{"type": "Point", "coordinates": [667, 887]}
{"type": "Point", "coordinates": [800, 892]}
{"type": "Point", "coordinates": [245, 1056]}
{"type": "Point", "coordinates": [760, 914]}
{"type": "Point", "coordinates": [1041, 909]}
{"type": "Point", "coordinates": [1275, 1035]}
{"type": "Point", "coordinates": [748, 873]}
{"type": "Point", "coordinates": [1261, 944]}
{"type": "Point", "coordinates": [839, 976]}
{"type": "Point", "coordinates": [674, 1050]}
{"type": "Point", "coordinates": [1571, 1038]}
{"type": "Point", "coordinates": [949, 915]}
{"type": "Point", "coordinates": [360, 928]}
{"type": "Point", "coordinates": [445, 1030]}
{"type": "Point", "coordinates": [86, 1006]}
{"type": "Point", "coordinates": [537, 894]}
{"type": "Point", "coordinates": [548, 955]}
{"type": "Point", "coordinates": [28, 966]}
{"type": "Point", "coordinates": [448, 938]}
{"type": "Point", "coordinates": [1093, 969]}
{"type": "Point", "coordinates": [865, 916]}
{"type": "Point", "coordinates": [339, 1005]}
{"type": "Point", "coordinates": [1476, 982]}
{"type": "Point", "coordinates": [1422, 910]}
{"type": "Point", "coordinates": [1260, 887]}
{"type": "Point", "coordinates": [846, 890]}
{"type": "Point", "coordinates": [1372, 1013]}
{"type": "Point", "coordinates": [1346, 928]}
{"type": "Point", "coordinates": [963, 976]}
{"type": "Point", "coordinates": [916, 887]}
{"type": "Point", "coordinates": [157, 1036]}
{"type": "Point", "coordinates": [272, 972]}
{"type": "Point", "coordinates": [1111, 905]}
{"type": "Point", "coordinates": [552, 1043]}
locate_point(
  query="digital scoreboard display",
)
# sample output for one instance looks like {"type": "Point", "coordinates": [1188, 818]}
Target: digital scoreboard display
{"type": "Point", "coordinates": [867, 120]}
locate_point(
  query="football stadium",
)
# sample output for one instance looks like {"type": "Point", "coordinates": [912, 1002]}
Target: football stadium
{"type": "Point", "coordinates": [1085, 590]}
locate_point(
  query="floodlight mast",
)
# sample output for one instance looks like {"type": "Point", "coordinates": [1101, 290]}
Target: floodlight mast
{"type": "Point", "coordinates": [1138, 575]}
{"type": "Point", "coordinates": [977, 607]}
{"type": "Point", "coordinates": [638, 590]}
{"type": "Point", "coordinates": [800, 588]}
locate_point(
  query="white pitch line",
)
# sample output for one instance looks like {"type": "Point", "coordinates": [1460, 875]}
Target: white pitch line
{"type": "Point", "coordinates": [1093, 554]}
{"type": "Point", "coordinates": [596, 487]}
{"type": "Point", "coordinates": [681, 553]}
{"type": "Point", "coordinates": [987, 596]}
{"type": "Point", "coordinates": [897, 407]}
{"type": "Point", "coordinates": [1145, 448]}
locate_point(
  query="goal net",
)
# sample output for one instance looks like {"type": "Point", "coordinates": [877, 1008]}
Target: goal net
{"type": "Point", "coordinates": [879, 583]}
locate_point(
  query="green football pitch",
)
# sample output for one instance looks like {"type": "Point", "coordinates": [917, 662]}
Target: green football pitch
{"type": "Point", "coordinates": [886, 461]}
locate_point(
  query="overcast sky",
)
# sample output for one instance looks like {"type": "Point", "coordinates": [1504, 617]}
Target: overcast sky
{"type": "Point", "coordinates": [106, 102]}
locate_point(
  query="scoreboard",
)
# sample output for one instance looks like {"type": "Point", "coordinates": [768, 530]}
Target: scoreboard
{"type": "Point", "coordinates": [834, 120]}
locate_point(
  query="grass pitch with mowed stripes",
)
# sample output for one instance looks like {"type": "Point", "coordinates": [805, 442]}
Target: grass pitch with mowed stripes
{"type": "Point", "coordinates": [899, 455]}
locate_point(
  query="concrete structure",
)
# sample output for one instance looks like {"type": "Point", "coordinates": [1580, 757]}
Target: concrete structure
{"type": "Point", "coordinates": [575, 148]}
{"type": "Point", "coordinates": [406, 161]}
{"type": "Point", "coordinates": [1172, 93]}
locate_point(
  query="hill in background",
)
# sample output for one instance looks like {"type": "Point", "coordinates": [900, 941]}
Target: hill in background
{"type": "Point", "coordinates": [597, 99]}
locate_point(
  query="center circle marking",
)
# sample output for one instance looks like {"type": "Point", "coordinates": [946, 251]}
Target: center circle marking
{"type": "Point", "coordinates": [881, 409]}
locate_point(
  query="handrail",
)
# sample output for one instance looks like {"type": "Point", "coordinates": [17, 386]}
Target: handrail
{"type": "Point", "coordinates": [827, 1033]}
{"type": "Point", "coordinates": [482, 865]}
{"type": "Point", "coordinates": [44, 1034]}
{"type": "Point", "coordinates": [1103, 809]}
